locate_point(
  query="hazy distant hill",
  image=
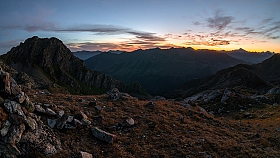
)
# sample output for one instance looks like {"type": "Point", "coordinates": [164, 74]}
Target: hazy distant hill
{"type": "Point", "coordinates": [260, 77]}
{"type": "Point", "coordinates": [160, 70]}
{"type": "Point", "coordinates": [252, 57]}
{"type": "Point", "coordinates": [83, 55]}
{"type": "Point", "coordinates": [48, 61]}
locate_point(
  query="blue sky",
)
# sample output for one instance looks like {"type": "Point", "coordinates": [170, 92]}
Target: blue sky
{"type": "Point", "coordinates": [129, 24]}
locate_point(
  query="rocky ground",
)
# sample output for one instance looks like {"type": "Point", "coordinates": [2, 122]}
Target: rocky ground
{"type": "Point", "coordinates": [164, 128]}
{"type": "Point", "coordinates": [41, 124]}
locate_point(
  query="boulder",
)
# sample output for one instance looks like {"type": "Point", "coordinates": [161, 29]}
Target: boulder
{"type": "Point", "coordinates": [102, 135]}
{"type": "Point", "coordinates": [13, 107]}
{"type": "Point", "coordinates": [42, 139]}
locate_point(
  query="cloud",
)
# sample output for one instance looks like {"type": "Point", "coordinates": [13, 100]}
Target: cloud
{"type": "Point", "coordinates": [98, 29]}
{"type": "Point", "coordinates": [219, 21]}
{"type": "Point", "coordinates": [225, 30]}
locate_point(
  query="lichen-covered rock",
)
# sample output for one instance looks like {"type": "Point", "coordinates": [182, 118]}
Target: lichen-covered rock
{"type": "Point", "coordinates": [42, 139]}
{"type": "Point", "coordinates": [31, 122]}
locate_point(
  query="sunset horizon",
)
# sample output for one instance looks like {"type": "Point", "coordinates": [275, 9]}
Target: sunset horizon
{"type": "Point", "coordinates": [123, 25]}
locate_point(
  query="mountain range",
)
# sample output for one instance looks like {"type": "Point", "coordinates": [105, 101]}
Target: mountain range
{"type": "Point", "coordinates": [160, 70]}
{"type": "Point", "coordinates": [52, 65]}
{"type": "Point", "coordinates": [84, 54]}
{"type": "Point", "coordinates": [251, 57]}
{"type": "Point", "coordinates": [260, 77]}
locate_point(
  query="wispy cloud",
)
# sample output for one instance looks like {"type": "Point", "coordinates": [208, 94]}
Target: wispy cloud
{"type": "Point", "coordinates": [219, 21]}
{"type": "Point", "coordinates": [223, 29]}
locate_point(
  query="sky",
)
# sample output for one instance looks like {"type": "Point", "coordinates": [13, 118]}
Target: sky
{"type": "Point", "coordinates": [253, 25]}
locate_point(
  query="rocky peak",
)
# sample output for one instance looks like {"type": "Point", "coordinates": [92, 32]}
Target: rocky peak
{"type": "Point", "coordinates": [48, 61]}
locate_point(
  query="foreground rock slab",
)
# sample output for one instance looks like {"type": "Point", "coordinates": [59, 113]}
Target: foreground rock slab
{"type": "Point", "coordinates": [102, 135]}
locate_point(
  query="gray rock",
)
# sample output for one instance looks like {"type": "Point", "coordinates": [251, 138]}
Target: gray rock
{"type": "Point", "coordinates": [39, 108]}
{"type": "Point", "coordinates": [62, 121]}
{"type": "Point", "coordinates": [114, 94]}
{"type": "Point", "coordinates": [5, 127]}
{"type": "Point", "coordinates": [50, 112]}
{"type": "Point", "coordinates": [127, 122]}
{"type": "Point", "coordinates": [15, 89]}
{"type": "Point", "coordinates": [84, 155]}
{"type": "Point", "coordinates": [61, 113]}
{"type": "Point", "coordinates": [51, 122]}
{"type": "Point", "coordinates": [102, 135]}
{"type": "Point", "coordinates": [226, 95]}
{"type": "Point", "coordinates": [13, 107]}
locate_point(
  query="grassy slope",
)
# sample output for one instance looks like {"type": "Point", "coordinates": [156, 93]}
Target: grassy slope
{"type": "Point", "coordinates": [200, 134]}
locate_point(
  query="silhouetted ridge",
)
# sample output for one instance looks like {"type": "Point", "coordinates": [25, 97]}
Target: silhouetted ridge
{"type": "Point", "coordinates": [160, 70]}
{"type": "Point", "coordinates": [50, 62]}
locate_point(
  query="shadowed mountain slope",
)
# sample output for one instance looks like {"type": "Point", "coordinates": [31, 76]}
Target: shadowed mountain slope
{"type": "Point", "coordinates": [260, 77]}
{"type": "Point", "coordinates": [49, 62]}
{"type": "Point", "coordinates": [160, 70]}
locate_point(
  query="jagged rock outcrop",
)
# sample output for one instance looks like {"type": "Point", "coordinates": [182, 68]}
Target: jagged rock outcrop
{"type": "Point", "coordinates": [21, 130]}
{"type": "Point", "coordinates": [48, 61]}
